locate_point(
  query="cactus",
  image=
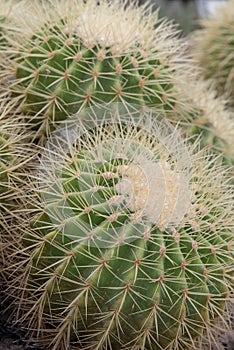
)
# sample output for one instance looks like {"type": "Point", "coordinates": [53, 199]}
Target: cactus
{"type": "Point", "coordinates": [213, 48]}
{"type": "Point", "coordinates": [75, 59]}
{"type": "Point", "coordinates": [85, 54]}
{"type": "Point", "coordinates": [208, 119]}
{"type": "Point", "coordinates": [8, 160]}
{"type": "Point", "coordinates": [110, 261]}
{"type": "Point", "coordinates": [15, 154]}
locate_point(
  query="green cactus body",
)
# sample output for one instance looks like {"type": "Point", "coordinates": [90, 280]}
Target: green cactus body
{"type": "Point", "coordinates": [66, 66]}
{"type": "Point", "coordinates": [114, 274]}
{"type": "Point", "coordinates": [60, 75]}
{"type": "Point", "coordinates": [214, 46]}
{"type": "Point", "coordinates": [128, 57]}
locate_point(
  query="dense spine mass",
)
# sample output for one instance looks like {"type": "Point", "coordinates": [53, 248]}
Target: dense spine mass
{"type": "Point", "coordinates": [58, 74]}
{"type": "Point", "coordinates": [15, 154]}
{"type": "Point", "coordinates": [115, 274]}
{"type": "Point", "coordinates": [120, 234]}
{"type": "Point", "coordinates": [72, 59]}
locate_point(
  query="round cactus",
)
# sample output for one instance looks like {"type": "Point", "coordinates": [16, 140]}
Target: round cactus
{"type": "Point", "coordinates": [82, 54]}
{"type": "Point", "coordinates": [131, 243]}
{"type": "Point", "coordinates": [78, 55]}
{"type": "Point", "coordinates": [214, 46]}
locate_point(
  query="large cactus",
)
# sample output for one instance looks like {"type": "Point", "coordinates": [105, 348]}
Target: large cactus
{"type": "Point", "coordinates": [214, 45]}
{"type": "Point", "coordinates": [131, 246]}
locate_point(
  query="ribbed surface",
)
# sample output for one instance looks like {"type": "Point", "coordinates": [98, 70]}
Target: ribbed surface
{"type": "Point", "coordinates": [57, 75]}
{"type": "Point", "coordinates": [154, 289]}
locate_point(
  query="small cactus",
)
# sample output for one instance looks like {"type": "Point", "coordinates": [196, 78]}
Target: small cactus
{"type": "Point", "coordinates": [131, 244]}
{"type": "Point", "coordinates": [213, 47]}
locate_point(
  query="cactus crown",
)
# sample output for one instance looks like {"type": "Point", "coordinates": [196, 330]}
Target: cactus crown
{"type": "Point", "coordinates": [112, 262]}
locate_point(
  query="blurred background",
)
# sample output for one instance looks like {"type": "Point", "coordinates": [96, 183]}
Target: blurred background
{"type": "Point", "coordinates": [186, 12]}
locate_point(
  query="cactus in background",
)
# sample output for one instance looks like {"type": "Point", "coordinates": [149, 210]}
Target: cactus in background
{"type": "Point", "coordinates": [214, 45]}
{"type": "Point", "coordinates": [15, 154]}
{"type": "Point", "coordinates": [208, 118]}
{"type": "Point", "coordinates": [128, 248]}
{"type": "Point", "coordinates": [83, 54]}
{"type": "Point", "coordinates": [8, 157]}
{"type": "Point", "coordinates": [2, 20]}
